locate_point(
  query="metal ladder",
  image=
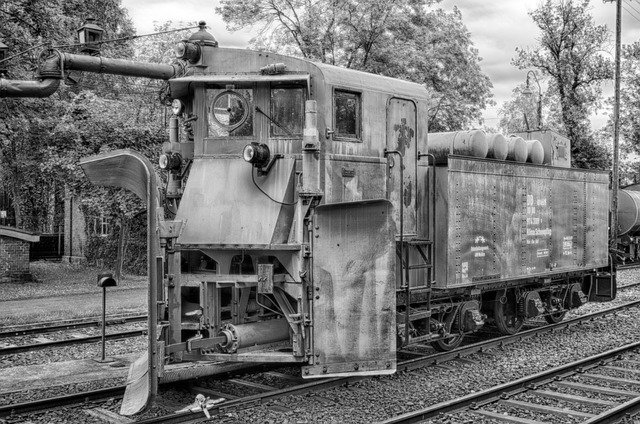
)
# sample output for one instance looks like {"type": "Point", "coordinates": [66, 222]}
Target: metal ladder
{"type": "Point", "coordinates": [424, 247]}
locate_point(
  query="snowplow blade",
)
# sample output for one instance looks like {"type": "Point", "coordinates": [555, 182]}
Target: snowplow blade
{"type": "Point", "coordinates": [136, 394]}
{"type": "Point", "coordinates": [134, 172]}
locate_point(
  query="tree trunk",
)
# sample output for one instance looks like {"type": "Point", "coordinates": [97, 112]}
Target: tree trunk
{"type": "Point", "coordinates": [124, 223]}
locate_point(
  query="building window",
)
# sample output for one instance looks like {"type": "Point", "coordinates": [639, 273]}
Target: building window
{"type": "Point", "coordinates": [101, 226]}
{"type": "Point", "coordinates": [347, 113]}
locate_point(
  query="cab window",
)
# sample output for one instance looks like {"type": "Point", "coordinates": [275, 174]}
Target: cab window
{"type": "Point", "coordinates": [287, 111]}
{"type": "Point", "coordinates": [230, 112]}
{"type": "Point", "coordinates": [347, 117]}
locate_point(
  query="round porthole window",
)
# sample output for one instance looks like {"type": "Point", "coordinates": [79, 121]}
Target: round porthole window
{"type": "Point", "coordinates": [229, 109]}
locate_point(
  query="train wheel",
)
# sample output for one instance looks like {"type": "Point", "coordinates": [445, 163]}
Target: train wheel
{"type": "Point", "coordinates": [554, 318]}
{"type": "Point", "coordinates": [445, 345]}
{"type": "Point", "coordinates": [505, 313]}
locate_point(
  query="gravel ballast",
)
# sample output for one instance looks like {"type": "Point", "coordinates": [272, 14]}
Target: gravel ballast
{"type": "Point", "coordinates": [378, 398]}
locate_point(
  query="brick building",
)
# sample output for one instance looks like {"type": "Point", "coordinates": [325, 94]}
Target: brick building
{"type": "Point", "coordinates": [14, 253]}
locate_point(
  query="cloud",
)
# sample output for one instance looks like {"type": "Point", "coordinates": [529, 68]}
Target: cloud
{"type": "Point", "coordinates": [496, 28]}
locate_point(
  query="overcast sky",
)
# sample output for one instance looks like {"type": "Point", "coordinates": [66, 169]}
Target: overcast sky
{"type": "Point", "coordinates": [497, 28]}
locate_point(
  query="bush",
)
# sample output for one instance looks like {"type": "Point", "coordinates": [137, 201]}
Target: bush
{"type": "Point", "coordinates": [103, 250]}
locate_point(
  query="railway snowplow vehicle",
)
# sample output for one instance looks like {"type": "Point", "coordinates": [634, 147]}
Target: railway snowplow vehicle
{"type": "Point", "coordinates": [309, 218]}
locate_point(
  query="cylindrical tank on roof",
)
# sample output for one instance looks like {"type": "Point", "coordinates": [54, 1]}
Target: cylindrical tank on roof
{"type": "Point", "coordinates": [466, 143]}
{"type": "Point", "coordinates": [535, 152]}
{"type": "Point", "coordinates": [518, 150]}
{"type": "Point", "coordinates": [628, 211]}
{"type": "Point", "coordinates": [498, 147]}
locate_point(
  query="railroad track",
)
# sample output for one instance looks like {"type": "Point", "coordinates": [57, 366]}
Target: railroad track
{"type": "Point", "coordinates": [12, 346]}
{"type": "Point", "coordinates": [41, 328]}
{"type": "Point", "coordinates": [417, 362]}
{"type": "Point", "coordinates": [9, 350]}
{"type": "Point", "coordinates": [298, 386]}
{"type": "Point", "coordinates": [587, 376]}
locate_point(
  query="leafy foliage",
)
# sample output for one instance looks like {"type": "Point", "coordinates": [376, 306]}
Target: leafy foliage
{"type": "Point", "coordinates": [629, 119]}
{"type": "Point", "coordinates": [520, 113]}
{"type": "Point", "coordinates": [408, 39]}
{"type": "Point", "coordinates": [42, 140]}
{"type": "Point", "coordinates": [570, 53]}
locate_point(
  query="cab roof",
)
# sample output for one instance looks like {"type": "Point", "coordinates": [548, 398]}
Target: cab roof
{"type": "Point", "coordinates": [224, 64]}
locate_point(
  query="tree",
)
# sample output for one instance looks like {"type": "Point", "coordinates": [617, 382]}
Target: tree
{"type": "Point", "coordinates": [408, 39]}
{"type": "Point", "coordinates": [42, 140]}
{"type": "Point", "coordinates": [629, 119]}
{"type": "Point", "coordinates": [570, 52]}
{"type": "Point", "coordinates": [25, 135]}
{"type": "Point", "coordinates": [519, 114]}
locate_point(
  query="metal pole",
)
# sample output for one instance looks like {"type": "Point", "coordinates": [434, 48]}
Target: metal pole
{"type": "Point", "coordinates": [616, 129]}
{"type": "Point", "coordinates": [104, 320]}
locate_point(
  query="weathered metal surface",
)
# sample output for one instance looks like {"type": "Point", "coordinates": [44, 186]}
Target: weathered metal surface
{"type": "Point", "coordinates": [51, 73]}
{"type": "Point", "coordinates": [222, 206]}
{"type": "Point", "coordinates": [256, 333]}
{"type": "Point", "coordinates": [265, 278]}
{"type": "Point", "coordinates": [106, 65]}
{"type": "Point", "coordinates": [375, 91]}
{"type": "Point", "coordinates": [136, 394]}
{"type": "Point", "coordinates": [628, 211]}
{"type": "Point", "coordinates": [401, 136]}
{"type": "Point", "coordinates": [557, 148]}
{"type": "Point", "coordinates": [518, 151]}
{"type": "Point", "coordinates": [467, 143]}
{"type": "Point", "coordinates": [17, 88]}
{"type": "Point", "coordinates": [351, 179]}
{"type": "Point", "coordinates": [503, 221]}
{"type": "Point", "coordinates": [535, 152]}
{"type": "Point", "coordinates": [498, 146]}
{"type": "Point", "coordinates": [354, 314]}
{"type": "Point", "coordinates": [134, 172]}
{"type": "Point", "coordinates": [182, 84]}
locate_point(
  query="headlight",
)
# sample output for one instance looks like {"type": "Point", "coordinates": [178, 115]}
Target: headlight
{"type": "Point", "coordinates": [177, 107]}
{"type": "Point", "coordinates": [170, 161]}
{"type": "Point", "coordinates": [179, 49]}
{"type": "Point", "coordinates": [187, 51]}
{"type": "Point", "coordinates": [256, 154]}
{"type": "Point", "coordinates": [163, 161]}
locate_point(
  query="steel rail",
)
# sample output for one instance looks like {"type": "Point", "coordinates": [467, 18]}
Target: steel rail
{"type": "Point", "coordinates": [510, 388]}
{"type": "Point", "coordinates": [54, 343]}
{"type": "Point", "coordinates": [410, 364]}
{"type": "Point", "coordinates": [631, 265]}
{"type": "Point", "coordinates": [58, 401]}
{"type": "Point", "coordinates": [41, 328]}
{"type": "Point", "coordinates": [626, 286]}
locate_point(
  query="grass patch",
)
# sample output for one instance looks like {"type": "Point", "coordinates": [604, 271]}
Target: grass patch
{"type": "Point", "coordinates": [60, 279]}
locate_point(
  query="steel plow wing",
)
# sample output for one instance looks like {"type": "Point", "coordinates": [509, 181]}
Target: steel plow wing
{"type": "Point", "coordinates": [134, 172]}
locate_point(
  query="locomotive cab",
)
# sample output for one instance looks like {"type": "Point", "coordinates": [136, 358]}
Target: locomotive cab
{"type": "Point", "coordinates": [287, 236]}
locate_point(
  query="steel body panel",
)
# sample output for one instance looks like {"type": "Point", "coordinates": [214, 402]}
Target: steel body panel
{"type": "Point", "coordinates": [507, 221]}
{"type": "Point", "coordinates": [349, 179]}
{"type": "Point", "coordinates": [401, 136]}
{"type": "Point", "coordinates": [354, 314]}
{"type": "Point", "coordinates": [222, 206]}
{"type": "Point", "coordinates": [557, 148]}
